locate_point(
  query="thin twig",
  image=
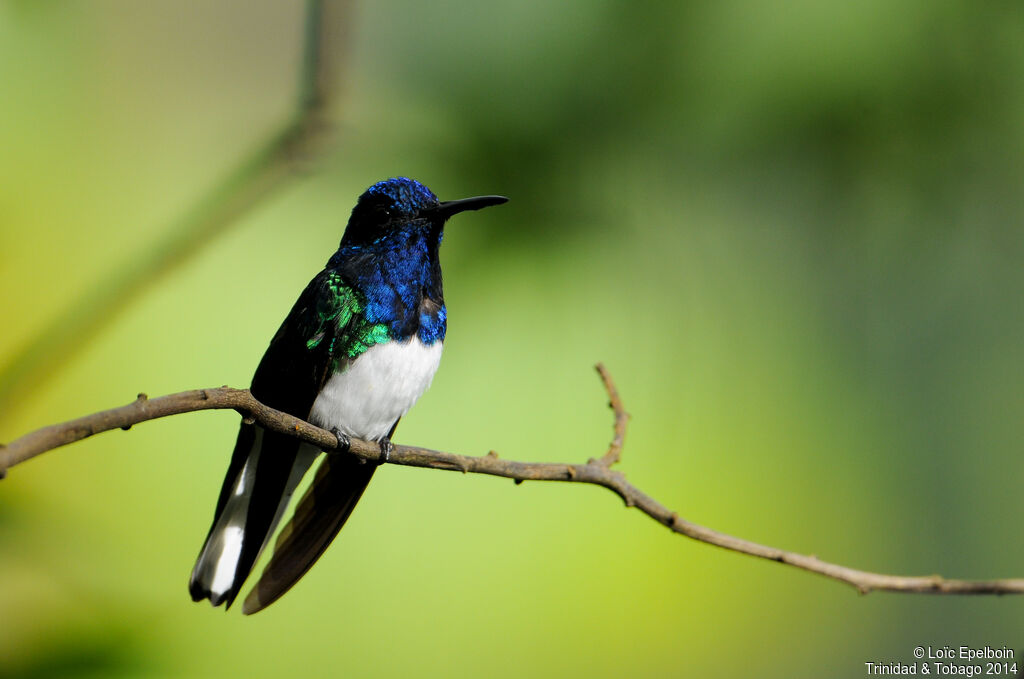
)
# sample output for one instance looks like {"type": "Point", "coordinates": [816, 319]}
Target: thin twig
{"type": "Point", "coordinates": [279, 158]}
{"type": "Point", "coordinates": [595, 472]}
{"type": "Point", "coordinates": [621, 418]}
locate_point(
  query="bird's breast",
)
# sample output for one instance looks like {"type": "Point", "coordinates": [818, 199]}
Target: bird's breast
{"type": "Point", "coordinates": [366, 398]}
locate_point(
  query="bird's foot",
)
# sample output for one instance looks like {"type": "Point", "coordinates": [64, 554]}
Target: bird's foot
{"type": "Point", "coordinates": [385, 450]}
{"type": "Point", "coordinates": [344, 442]}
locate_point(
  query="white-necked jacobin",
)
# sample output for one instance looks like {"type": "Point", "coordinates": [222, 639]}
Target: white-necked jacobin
{"type": "Point", "coordinates": [356, 351]}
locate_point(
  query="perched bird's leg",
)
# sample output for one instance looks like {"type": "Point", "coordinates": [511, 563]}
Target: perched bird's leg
{"type": "Point", "coordinates": [385, 450]}
{"type": "Point", "coordinates": [344, 442]}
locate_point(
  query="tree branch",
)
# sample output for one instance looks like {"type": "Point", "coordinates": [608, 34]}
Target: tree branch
{"type": "Point", "coordinates": [595, 471]}
{"type": "Point", "coordinates": [278, 159]}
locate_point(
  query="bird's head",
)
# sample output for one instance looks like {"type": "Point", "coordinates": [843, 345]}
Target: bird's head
{"type": "Point", "coordinates": [401, 205]}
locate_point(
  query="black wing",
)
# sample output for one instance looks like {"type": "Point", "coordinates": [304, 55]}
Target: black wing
{"type": "Point", "coordinates": [293, 370]}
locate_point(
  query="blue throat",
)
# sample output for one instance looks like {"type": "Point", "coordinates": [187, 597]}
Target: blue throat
{"type": "Point", "coordinates": [400, 277]}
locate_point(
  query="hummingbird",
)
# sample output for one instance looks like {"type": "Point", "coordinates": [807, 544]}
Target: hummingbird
{"type": "Point", "coordinates": [359, 347]}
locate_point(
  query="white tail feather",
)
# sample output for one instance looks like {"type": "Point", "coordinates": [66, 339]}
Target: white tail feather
{"type": "Point", "coordinates": [216, 568]}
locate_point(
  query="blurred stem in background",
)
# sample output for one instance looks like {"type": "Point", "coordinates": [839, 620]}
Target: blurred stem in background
{"type": "Point", "coordinates": [300, 140]}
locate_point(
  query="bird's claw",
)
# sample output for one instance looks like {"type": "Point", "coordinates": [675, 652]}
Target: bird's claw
{"type": "Point", "coordinates": [345, 446]}
{"type": "Point", "coordinates": [385, 451]}
{"type": "Point", "coordinates": [344, 442]}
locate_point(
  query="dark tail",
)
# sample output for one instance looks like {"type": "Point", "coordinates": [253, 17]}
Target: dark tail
{"type": "Point", "coordinates": [265, 469]}
{"type": "Point", "coordinates": [323, 510]}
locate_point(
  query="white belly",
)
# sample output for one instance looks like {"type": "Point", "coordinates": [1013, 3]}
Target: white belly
{"type": "Point", "coordinates": [381, 385]}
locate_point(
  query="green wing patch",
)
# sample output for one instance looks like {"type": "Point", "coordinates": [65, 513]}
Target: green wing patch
{"type": "Point", "coordinates": [334, 310]}
{"type": "Point", "coordinates": [339, 319]}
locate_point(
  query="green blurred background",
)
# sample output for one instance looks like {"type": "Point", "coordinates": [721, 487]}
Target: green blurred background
{"type": "Point", "coordinates": [792, 231]}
